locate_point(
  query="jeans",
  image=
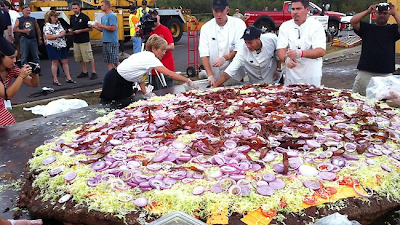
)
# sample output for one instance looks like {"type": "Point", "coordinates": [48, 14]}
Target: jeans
{"type": "Point", "coordinates": [29, 46]}
{"type": "Point", "coordinates": [137, 44]}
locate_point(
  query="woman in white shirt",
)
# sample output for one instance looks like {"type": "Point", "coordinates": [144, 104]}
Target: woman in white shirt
{"type": "Point", "coordinates": [117, 83]}
{"type": "Point", "coordinates": [56, 46]}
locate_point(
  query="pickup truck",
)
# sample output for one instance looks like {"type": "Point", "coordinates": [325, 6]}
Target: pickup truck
{"type": "Point", "coordinates": [269, 21]}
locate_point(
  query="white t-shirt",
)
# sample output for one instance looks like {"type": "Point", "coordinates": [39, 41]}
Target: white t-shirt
{"type": "Point", "coordinates": [260, 66]}
{"type": "Point", "coordinates": [14, 15]}
{"type": "Point", "coordinates": [138, 65]}
{"type": "Point", "coordinates": [216, 41]}
{"type": "Point", "coordinates": [310, 35]}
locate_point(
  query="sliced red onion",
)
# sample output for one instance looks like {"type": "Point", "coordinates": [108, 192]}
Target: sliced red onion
{"type": "Point", "coordinates": [237, 177]}
{"type": "Point", "coordinates": [119, 156]}
{"type": "Point", "coordinates": [187, 180]}
{"type": "Point", "coordinates": [324, 166]}
{"type": "Point", "coordinates": [350, 147]}
{"type": "Point", "coordinates": [172, 157]}
{"type": "Point", "coordinates": [155, 183]}
{"type": "Point", "coordinates": [248, 133]}
{"type": "Point", "coordinates": [68, 152]}
{"type": "Point", "coordinates": [154, 167]}
{"type": "Point", "coordinates": [338, 161]}
{"type": "Point", "coordinates": [295, 163]}
{"type": "Point", "coordinates": [277, 184]}
{"type": "Point", "coordinates": [220, 160]}
{"type": "Point", "coordinates": [245, 190]}
{"type": "Point", "coordinates": [306, 170]}
{"type": "Point", "coordinates": [160, 156]}
{"type": "Point", "coordinates": [269, 157]}
{"type": "Point", "coordinates": [227, 183]}
{"type": "Point", "coordinates": [260, 183]}
{"type": "Point", "coordinates": [216, 188]}
{"type": "Point", "coordinates": [99, 165]}
{"type": "Point", "coordinates": [265, 190]}
{"type": "Point", "coordinates": [350, 157]}
{"type": "Point", "coordinates": [235, 190]}
{"type": "Point", "coordinates": [160, 123]}
{"type": "Point", "coordinates": [169, 181]}
{"type": "Point", "coordinates": [255, 167]}
{"type": "Point", "coordinates": [64, 198]}
{"type": "Point", "coordinates": [178, 145]}
{"type": "Point", "coordinates": [368, 195]}
{"type": "Point", "coordinates": [244, 149]}
{"type": "Point", "coordinates": [49, 160]}
{"type": "Point", "coordinates": [313, 144]}
{"type": "Point", "coordinates": [386, 168]}
{"type": "Point", "coordinates": [133, 164]}
{"type": "Point", "coordinates": [141, 202]}
{"type": "Point", "coordinates": [70, 176]}
{"type": "Point", "coordinates": [184, 157]}
{"type": "Point", "coordinates": [312, 184]}
{"type": "Point", "coordinates": [92, 182]}
{"type": "Point", "coordinates": [115, 142]}
{"type": "Point", "coordinates": [54, 172]}
{"type": "Point", "coordinates": [375, 151]}
{"type": "Point", "coordinates": [179, 175]}
{"type": "Point", "coordinates": [198, 176]}
{"type": "Point", "coordinates": [269, 177]}
{"type": "Point", "coordinates": [329, 176]}
{"type": "Point", "coordinates": [198, 190]}
{"type": "Point", "coordinates": [229, 144]}
{"type": "Point", "coordinates": [370, 161]}
{"type": "Point", "coordinates": [278, 168]}
{"type": "Point", "coordinates": [216, 174]}
{"type": "Point", "coordinates": [228, 169]}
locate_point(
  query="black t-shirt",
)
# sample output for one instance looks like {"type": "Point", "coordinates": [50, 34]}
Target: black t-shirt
{"type": "Point", "coordinates": [2, 22]}
{"type": "Point", "coordinates": [28, 23]}
{"type": "Point", "coordinates": [78, 23]}
{"type": "Point", "coordinates": [7, 19]}
{"type": "Point", "coordinates": [378, 47]}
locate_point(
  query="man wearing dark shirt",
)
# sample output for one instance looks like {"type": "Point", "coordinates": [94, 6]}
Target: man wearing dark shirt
{"type": "Point", "coordinates": [378, 44]}
{"type": "Point", "coordinates": [82, 47]}
{"type": "Point", "coordinates": [7, 28]}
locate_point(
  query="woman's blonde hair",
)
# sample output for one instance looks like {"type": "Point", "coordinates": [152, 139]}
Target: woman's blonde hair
{"type": "Point", "coordinates": [49, 14]}
{"type": "Point", "coordinates": [156, 42]}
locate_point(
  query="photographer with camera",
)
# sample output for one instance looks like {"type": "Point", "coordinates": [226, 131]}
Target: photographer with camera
{"type": "Point", "coordinates": [56, 45]}
{"type": "Point", "coordinates": [9, 70]}
{"type": "Point", "coordinates": [378, 44]}
{"type": "Point", "coordinates": [168, 59]}
{"type": "Point", "coordinates": [117, 83]}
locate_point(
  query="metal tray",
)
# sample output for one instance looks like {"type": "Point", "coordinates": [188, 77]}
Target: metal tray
{"type": "Point", "coordinates": [201, 83]}
{"type": "Point", "coordinates": [177, 218]}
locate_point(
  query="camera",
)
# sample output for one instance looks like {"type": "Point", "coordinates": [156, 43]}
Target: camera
{"type": "Point", "coordinates": [35, 66]}
{"type": "Point", "coordinates": [146, 25]}
{"type": "Point", "coordinates": [382, 7]}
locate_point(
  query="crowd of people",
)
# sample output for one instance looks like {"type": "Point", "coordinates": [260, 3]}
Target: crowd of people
{"type": "Point", "coordinates": [228, 50]}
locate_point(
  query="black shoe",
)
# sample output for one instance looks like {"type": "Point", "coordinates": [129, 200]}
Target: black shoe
{"type": "Point", "coordinates": [82, 75]}
{"type": "Point", "coordinates": [70, 81]}
{"type": "Point", "coordinates": [93, 76]}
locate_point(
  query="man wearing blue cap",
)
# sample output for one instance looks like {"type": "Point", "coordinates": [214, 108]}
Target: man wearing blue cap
{"type": "Point", "coordinates": [219, 40]}
{"type": "Point", "coordinates": [257, 56]}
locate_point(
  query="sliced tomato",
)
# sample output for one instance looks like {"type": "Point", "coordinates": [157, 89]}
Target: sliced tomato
{"type": "Point", "coordinates": [283, 203]}
{"type": "Point", "coordinates": [269, 213]}
{"type": "Point", "coordinates": [378, 179]}
{"type": "Point", "coordinates": [310, 199]}
{"type": "Point", "coordinates": [348, 181]}
{"type": "Point", "coordinates": [326, 192]}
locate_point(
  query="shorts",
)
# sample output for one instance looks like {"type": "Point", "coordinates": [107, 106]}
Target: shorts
{"type": "Point", "coordinates": [83, 52]}
{"type": "Point", "coordinates": [56, 53]}
{"type": "Point", "coordinates": [110, 52]}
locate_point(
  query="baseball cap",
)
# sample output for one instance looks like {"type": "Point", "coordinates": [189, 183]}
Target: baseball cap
{"type": "Point", "coordinates": [132, 8]}
{"type": "Point", "coordinates": [153, 11]}
{"type": "Point", "coordinates": [251, 33]}
{"type": "Point", "coordinates": [6, 47]}
{"type": "Point", "coordinates": [220, 4]}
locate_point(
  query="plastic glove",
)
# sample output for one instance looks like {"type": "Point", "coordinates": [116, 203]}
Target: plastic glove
{"type": "Point", "coordinates": [149, 94]}
{"type": "Point", "coordinates": [191, 84]}
{"type": "Point", "coordinates": [212, 80]}
{"type": "Point", "coordinates": [290, 63]}
{"type": "Point", "coordinates": [393, 98]}
{"type": "Point", "coordinates": [219, 62]}
{"type": "Point", "coordinates": [294, 53]}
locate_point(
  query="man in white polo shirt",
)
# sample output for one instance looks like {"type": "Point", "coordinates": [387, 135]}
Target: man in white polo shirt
{"type": "Point", "coordinates": [257, 56]}
{"type": "Point", "coordinates": [302, 44]}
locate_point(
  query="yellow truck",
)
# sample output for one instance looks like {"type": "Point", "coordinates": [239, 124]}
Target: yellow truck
{"type": "Point", "coordinates": [174, 19]}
